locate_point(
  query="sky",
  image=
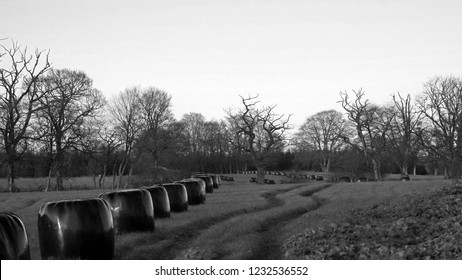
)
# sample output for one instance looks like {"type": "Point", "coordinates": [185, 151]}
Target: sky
{"type": "Point", "coordinates": [297, 55]}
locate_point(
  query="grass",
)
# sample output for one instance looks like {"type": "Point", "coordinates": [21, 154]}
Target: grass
{"type": "Point", "coordinates": [39, 184]}
{"type": "Point", "coordinates": [240, 220]}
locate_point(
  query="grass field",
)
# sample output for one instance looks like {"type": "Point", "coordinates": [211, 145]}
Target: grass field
{"type": "Point", "coordinates": [240, 220]}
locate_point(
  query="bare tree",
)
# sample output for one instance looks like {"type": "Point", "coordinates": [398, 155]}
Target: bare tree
{"type": "Point", "coordinates": [109, 142]}
{"type": "Point", "coordinates": [19, 100]}
{"type": "Point", "coordinates": [258, 131]}
{"type": "Point", "coordinates": [193, 124]}
{"type": "Point", "coordinates": [69, 101]}
{"type": "Point", "coordinates": [441, 104]}
{"type": "Point", "coordinates": [125, 111]}
{"type": "Point", "coordinates": [323, 133]}
{"type": "Point", "coordinates": [99, 142]}
{"type": "Point", "coordinates": [156, 115]}
{"type": "Point", "coordinates": [372, 124]}
{"type": "Point", "coordinates": [403, 133]}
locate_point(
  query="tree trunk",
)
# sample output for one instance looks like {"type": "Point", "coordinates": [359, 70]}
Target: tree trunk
{"type": "Point", "coordinates": [128, 182]}
{"type": "Point", "coordinates": [121, 173]}
{"type": "Point", "coordinates": [50, 173]}
{"type": "Point", "coordinates": [59, 179]}
{"type": "Point", "coordinates": [325, 166]}
{"type": "Point", "coordinates": [102, 177]}
{"type": "Point", "coordinates": [11, 178]}
{"type": "Point", "coordinates": [59, 166]}
{"type": "Point", "coordinates": [404, 167]}
{"type": "Point", "coordinates": [93, 177]}
{"type": "Point", "coordinates": [261, 172]}
{"type": "Point", "coordinates": [114, 175]}
{"type": "Point", "coordinates": [156, 167]}
{"type": "Point", "coordinates": [376, 169]}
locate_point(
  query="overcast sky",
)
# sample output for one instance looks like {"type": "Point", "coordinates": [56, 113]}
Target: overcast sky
{"type": "Point", "coordinates": [296, 54]}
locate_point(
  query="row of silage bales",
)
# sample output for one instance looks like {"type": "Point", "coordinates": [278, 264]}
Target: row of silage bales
{"type": "Point", "coordinates": [86, 228]}
{"type": "Point", "coordinates": [208, 181]}
{"type": "Point", "coordinates": [196, 189]}
{"type": "Point", "coordinates": [178, 196]}
{"type": "Point", "coordinates": [160, 201]}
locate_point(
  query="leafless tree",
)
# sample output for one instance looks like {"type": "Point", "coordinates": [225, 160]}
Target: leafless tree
{"type": "Point", "coordinates": [372, 124]}
{"type": "Point", "coordinates": [69, 101]}
{"type": "Point", "coordinates": [193, 125]}
{"type": "Point", "coordinates": [323, 132]}
{"type": "Point", "coordinates": [156, 115]}
{"type": "Point", "coordinates": [441, 104]}
{"type": "Point", "coordinates": [99, 142]}
{"type": "Point", "coordinates": [19, 100]}
{"type": "Point", "coordinates": [259, 131]}
{"type": "Point", "coordinates": [126, 113]}
{"type": "Point", "coordinates": [109, 142]}
{"type": "Point", "coordinates": [403, 133]}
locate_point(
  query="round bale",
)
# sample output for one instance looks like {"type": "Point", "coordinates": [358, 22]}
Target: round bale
{"type": "Point", "coordinates": [363, 179]}
{"type": "Point", "coordinates": [178, 196]}
{"type": "Point", "coordinates": [215, 180]}
{"type": "Point", "coordinates": [344, 179]}
{"type": "Point", "coordinates": [160, 201]}
{"type": "Point", "coordinates": [208, 182]}
{"type": "Point", "coordinates": [195, 189]}
{"type": "Point", "coordinates": [405, 178]}
{"type": "Point", "coordinates": [132, 210]}
{"type": "Point", "coordinates": [14, 244]}
{"type": "Point", "coordinates": [76, 229]}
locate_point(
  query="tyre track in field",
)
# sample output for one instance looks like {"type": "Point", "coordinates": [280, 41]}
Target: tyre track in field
{"type": "Point", "coordinates": [269, 247]}
{"type": "Point", "coordinates": [176, 239]}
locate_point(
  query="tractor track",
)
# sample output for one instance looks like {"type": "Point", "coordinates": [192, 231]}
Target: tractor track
{"type": "Point", "coordinates": [268, 246]}
{"type": "Point", "coordinates": [174, 240]}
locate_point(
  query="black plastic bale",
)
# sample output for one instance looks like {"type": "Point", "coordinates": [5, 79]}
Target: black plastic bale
{"type": "Point", "coordinates": [344, 179]}
{"type": "Point", "coordinates": [363, 179]}
{"type": "Point", "coordinates": [195, 189]}
{"type": "Point", "coordinates": [215, 180]}
{"type": "Point", "coordinates": [208, 182]}
{"type": "Point", "coordinates": [405, 178]}
{"type": "Point", "coordinates": [160, 201]}
{"type": "Point", "coordinates": [76, 229]}
{"type": "Point", "coordinates": [14, 243]}
{"type": "Point", "coordinates": [132, 210]}
{"type": "Point", "coordinates": [178, 197]}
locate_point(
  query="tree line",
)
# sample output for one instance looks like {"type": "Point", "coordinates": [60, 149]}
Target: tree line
{"type": "Point", "coordinates": [54, 123]}
{"type": "Point", "coordinates": [403, 134]}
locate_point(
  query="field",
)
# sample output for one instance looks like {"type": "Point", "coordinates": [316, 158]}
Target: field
{"type": "Point", "coordinates": [240, 220]}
